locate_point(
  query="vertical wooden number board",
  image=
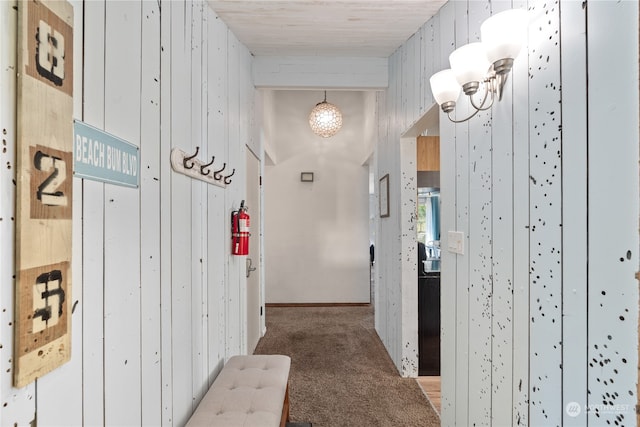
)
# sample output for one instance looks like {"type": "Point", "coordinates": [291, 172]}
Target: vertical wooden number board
{"type": "Point", "coordinates": [44, 199]}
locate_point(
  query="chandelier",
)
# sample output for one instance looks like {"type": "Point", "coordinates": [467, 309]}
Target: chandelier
{"type": "Point", "coordinates": [325, 119]}
{"type": "Point", "coordinates": [483, 64]}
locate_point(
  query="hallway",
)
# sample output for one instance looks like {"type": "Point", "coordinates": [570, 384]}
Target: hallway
{"type": "Point", "coordinates": [122, 300]}
{"type": "Point", "coordinates": [341, 374]}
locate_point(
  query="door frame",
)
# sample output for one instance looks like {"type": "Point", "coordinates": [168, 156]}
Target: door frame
{"type": "Point", "coordinates": [257, 221]}
{"type": "Point", "coordinates": [429, 121]}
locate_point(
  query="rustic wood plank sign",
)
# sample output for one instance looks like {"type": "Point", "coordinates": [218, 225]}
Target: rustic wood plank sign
{"type": "Point", "coordinates": [44, 190]}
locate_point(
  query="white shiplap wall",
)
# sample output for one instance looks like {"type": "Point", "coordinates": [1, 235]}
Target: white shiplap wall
{"type": "Point", "coordinates": [160, 302]}
{"type": "Point", "coordinates": [612, 200]}
{"type": "Point", "coordinates": [539, 185]}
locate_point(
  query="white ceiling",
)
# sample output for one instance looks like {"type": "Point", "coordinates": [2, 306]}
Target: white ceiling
{"type": "Point", "coordinates": [360, 28]}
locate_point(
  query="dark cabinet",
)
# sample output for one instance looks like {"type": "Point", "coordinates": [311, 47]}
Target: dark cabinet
{"type": "Point", "coordinates": [429, 324]}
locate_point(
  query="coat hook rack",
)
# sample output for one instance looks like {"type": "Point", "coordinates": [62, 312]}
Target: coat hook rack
{"type": "Point", "coordinates": [192, 167]}
{"type": "Point", "coordinates": [226, 178]}
{"type": "Point", "coordinates": [184, 161]}
{"type": "Point", "coordinates": [217, 175]}
{"type": "Point", "coordinates": [203, 167]}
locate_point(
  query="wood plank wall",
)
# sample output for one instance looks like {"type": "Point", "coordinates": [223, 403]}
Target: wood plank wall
{"type": "Point", "coordinates": [575, 194]}
{"type": "Point", "coordinates": [158, 299]}
{"type": "Point", "coordinates": [539, 185]}
{"type": "Point", "coordinates": [612, 205]}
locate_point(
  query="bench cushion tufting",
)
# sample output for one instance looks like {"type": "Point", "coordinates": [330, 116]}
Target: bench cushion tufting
{"type": "Point", "coordinates": [248, 392]}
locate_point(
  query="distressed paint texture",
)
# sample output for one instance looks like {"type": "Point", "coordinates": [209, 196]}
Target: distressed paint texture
{"type": "Point", "coordinates": [613, 213]}
{"type": "Point", "coordinates": [545, 216]}
{"type": "Point", "coordinates": [520, 236]}
{"type": "Point", "coordinates": [158, 300]}
{"type": "Point", "coordinates": [409, 214]}
{"type": "Point", "coordinates": [537, 192]}
{"type": "Point", "coordinates": [449, 221]}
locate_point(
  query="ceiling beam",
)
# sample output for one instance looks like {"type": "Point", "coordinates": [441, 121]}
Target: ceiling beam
{"type": "Point", "coordinates": [323, 73]}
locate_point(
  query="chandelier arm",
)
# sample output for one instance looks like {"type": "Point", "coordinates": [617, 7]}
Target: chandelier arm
{"type": "Point", "coordinates": [492, 82]}
{"type": "Point", "coordinates": [474, 106]}
{"type": "Point", "coordinates": [463, 120]}
{"type": "Point", "coordinates": [487, 89]}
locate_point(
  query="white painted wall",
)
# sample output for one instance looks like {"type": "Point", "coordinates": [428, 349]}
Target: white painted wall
{"type": "Point", "coordinates": [542, 309]}
{"type": "Point", "coordinates": [316, 241]}
{"type": "Point", "coordinates": [268, 126]}
{"type": "Point", "coordinates": [160, 301]}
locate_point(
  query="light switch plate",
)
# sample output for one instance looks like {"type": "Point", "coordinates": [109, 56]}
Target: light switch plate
{"type": "Point", "coordinates": [455, 242]}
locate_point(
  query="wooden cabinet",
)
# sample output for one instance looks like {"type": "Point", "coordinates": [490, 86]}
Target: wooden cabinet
{"type": "Point", "coordinates": [428, 155]}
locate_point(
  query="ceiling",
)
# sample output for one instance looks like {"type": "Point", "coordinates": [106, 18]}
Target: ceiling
{"type": "Point", "coordinates": [354, 28]}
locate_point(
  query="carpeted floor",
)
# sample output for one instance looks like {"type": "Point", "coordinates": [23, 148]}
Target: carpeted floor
{"type": "Point", "coordinates": [341, 374]}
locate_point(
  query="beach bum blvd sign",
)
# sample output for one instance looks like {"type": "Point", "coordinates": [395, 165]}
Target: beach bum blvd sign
{"type": "Point", "coordinates": [100, 156]}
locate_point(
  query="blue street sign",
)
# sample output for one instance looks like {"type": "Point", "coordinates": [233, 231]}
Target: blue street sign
{"type": "Point", "coordinates": [100, 156]}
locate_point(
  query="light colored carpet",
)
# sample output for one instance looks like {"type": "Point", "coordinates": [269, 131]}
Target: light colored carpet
{"type": "Point", "coordinates": [341, 374]}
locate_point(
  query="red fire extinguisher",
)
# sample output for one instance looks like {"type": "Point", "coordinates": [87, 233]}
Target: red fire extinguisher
{"type": "Point", "coordinates": [240, 231]}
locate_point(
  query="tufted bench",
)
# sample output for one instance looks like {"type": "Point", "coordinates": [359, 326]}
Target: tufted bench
{"type": "Point", "coordinates": [250, 391]}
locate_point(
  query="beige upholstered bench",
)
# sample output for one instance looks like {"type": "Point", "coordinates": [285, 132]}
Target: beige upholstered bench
{"type": "Point", "coordinates": [250, 391]}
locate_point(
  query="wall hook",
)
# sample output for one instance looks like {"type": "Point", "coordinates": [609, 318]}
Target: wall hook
{"type": "Point", "coordinates": [194, 168]}
{"type": "Point", "coordinates": [217, 175]}
{"type": "Point", "coordinates": [184, 162]}
{"type": "Point", "coordinates": [226, 178]}
{"type": "Point", "coordinates": [203, 167]}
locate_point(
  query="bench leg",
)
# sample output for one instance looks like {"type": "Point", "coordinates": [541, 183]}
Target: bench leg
{"type": "Point", "coordinates": [285, 408]}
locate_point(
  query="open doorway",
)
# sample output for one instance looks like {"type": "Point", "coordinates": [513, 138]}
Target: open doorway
{"type": "Point", "coordinates": [428, 281]}
{"type": "Point", "coordinates": [428, 237]}
{"type": "Point", "coordinates": [424, 160]}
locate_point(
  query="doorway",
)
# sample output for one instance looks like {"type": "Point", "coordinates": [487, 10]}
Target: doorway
{"type": "Point", "coordinates": [420, 160]}
{"type": "Point", "coordinates": [428, 226]}
{"type": "Point", "coordinates": [254, 307]}
{"type": "Point", "coordinates": [428, 236]}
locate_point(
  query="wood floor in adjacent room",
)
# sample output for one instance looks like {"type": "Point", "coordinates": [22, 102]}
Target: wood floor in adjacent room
{"type": "Point", "coordinates": [431, 387]}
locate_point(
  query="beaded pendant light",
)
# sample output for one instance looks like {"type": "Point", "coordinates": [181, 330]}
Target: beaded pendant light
{"type": "Point", "coordinates": [325, 119]}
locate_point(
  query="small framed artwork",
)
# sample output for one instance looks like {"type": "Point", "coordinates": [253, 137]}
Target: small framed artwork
{"type": "Point", "coordinates": [384, 196]}
{"type": "Point", "coordinates": [306, 176]}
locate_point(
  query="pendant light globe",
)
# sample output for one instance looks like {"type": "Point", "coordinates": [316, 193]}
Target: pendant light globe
{"type": "Point", "coordinates": [325, 119]}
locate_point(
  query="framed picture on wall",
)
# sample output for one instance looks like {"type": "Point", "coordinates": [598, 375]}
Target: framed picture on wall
{"type": "Point", "coordinates": [384, 196]}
